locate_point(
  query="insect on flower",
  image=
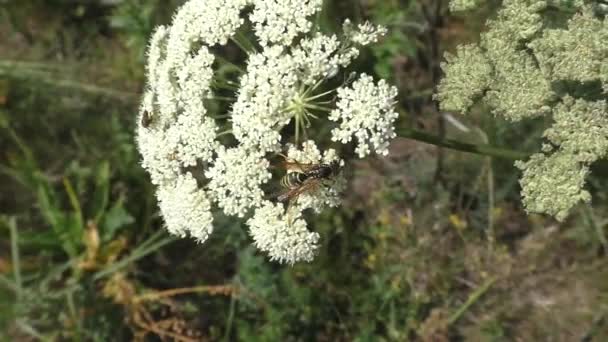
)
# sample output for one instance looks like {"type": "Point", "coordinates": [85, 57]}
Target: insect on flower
{"type": "Point", "coordinates": [146, 119]}
{"type": "Point", "coordinates": [305, 178]}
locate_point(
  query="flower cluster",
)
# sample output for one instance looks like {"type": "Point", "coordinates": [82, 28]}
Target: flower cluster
{"type": "Point", "coordinates": [463, 5]}
{"type": "Point", "coordinates": [235, 179]}
{"type": "Point", "coordinates": [366, 112]}
{"type": "Point", "coordinates": [320, 196]}
{"type": "Point", "coordinates": [282, 233]}
{"type": "Point", "coordinates": [280, 21]}
{"type": "Point", "coordinates": [186, 208]}
{"type": "Point", "coordinates": [204, 154]}
{"type": "Point", "coordinates": [523, 68]}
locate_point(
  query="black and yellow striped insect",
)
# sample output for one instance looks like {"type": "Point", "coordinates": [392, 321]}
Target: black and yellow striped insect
{"type": "Point", "coordinates": [305, 177]}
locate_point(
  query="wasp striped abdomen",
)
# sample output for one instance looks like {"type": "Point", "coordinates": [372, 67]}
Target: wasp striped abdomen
{"type": "Point", "coordinates": [294, 179]}
{"type": "Point", "coordinates": [305, 178]}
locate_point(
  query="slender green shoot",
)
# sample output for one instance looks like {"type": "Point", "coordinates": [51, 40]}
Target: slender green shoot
{"type": "Point", "coordinates": [12, 225]}
{"type": "Point", "coordinates": [480, 149]}
{"type": "Point", "coordinates": [474, 297]}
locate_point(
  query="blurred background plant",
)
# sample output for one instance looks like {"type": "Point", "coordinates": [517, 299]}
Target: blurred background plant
{"type": "Point", "coordinates": [430, 244]}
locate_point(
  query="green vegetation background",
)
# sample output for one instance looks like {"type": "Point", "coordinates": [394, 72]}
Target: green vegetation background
{"type": "Point", "coordinates": [429, 244]}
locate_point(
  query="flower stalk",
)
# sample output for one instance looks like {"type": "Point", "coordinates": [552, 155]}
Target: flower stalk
{"type": "Point", "coordinates": [480, 149]}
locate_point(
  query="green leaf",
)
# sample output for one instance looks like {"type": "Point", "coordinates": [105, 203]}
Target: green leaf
{"type": "Point", "coordinates": [115, 218]}
{"type": "Point", "coordinates": [74, 201]}
{"type": "Point", "coordinates": [72, 233]}
{"type": "Point", "coordinates": [46, 239]}
{"type": "Point", "coordinates": [102, 191]}
{"type": "Point", "coordinates": [47, 205]}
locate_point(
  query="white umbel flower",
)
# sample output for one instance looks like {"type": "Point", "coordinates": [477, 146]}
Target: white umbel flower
{"type": "Point", "coordinates": [186, 208]}
{"type": "Point", "coordinates": [194, 81]}
{"type": "Point", "coordinates": [328, 192]}
{"type": "Point", "coordinates": [182, 135]}
{"type": "Point", "coordinates": [280, 21]}
{"type": "Point", "coordinates": [366, 111]}
{"type": "Point", "coordinates": [156, 54]}
{"type": "Point", "coordinates": [364, 34]}
{"type": "Point", "coordinates": [260, 111]}
{"type": "Point", "coordinates": [185, 73]}
{"type": "Point", "coordinates": [158, 156]}
{"type": "Point", "coordinates": [154, 146]}
{"type": "Point", "coordinates": [321, 57]}
{"type": "Point", "coordinates": [284, 236]}
{"type": "Point", "coordinates": [236, 177]}
{"type": "Point", "coordinates": [192, 138]}
{"type": "Point", "coordinates": [208, 22]}
{"type": "Point", "coordinates": [167, 93]}
{"type": "Point", "coordinates": [316, 57]}
{"type": "Point", "coordinates": [166, 151]}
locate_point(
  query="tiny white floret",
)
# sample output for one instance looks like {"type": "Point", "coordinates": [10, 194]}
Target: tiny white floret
{"type": "Point", "coordinates": [283, 235]}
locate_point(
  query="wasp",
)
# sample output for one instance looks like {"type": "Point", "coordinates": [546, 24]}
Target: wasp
{"type": "Point", "coordinates": [146, 119]}
{"type": "Point", "coordinates": [305, 178]}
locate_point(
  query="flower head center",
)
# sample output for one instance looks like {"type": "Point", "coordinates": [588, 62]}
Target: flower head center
{"type": "Point", "coordinates": [306, 104]}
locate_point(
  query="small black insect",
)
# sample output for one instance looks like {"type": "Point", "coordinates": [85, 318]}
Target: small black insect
{"type": "Point", "coordinates": [146, 119]}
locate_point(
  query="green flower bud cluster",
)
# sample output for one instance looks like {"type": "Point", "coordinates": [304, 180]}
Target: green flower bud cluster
{"type": "Point", "coordinates": [463, 5]}
{"type": "Point", "coordinates": [526, 66]}
{"type": "Point", "coordinates": [553, 184]}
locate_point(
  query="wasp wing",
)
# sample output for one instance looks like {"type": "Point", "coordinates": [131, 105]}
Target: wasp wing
{"type": "Point", "coordinates": [292, 195]}
{"type": "Point", "coordinates": [293, 165]}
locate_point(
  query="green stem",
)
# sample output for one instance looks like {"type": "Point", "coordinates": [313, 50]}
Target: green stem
{"type": "Point", "coordinates": [227, 62]}
{"type": "Point", "coordinates": [297, 130]}
{"type": "Point", "coordinates": [224, 85]}
{"type": "Point", "coordinates": [220, 98]}
{"type": "Point", "coordinates": [240, 45]}
{"type": "Point", "coordinates": [246, 41]}
{"type": "Point", "coordinates": [472, 299]}
{"type": "Point", "coordinates": [481, 149]}
{"type": "Point", "coordinates": [47, 74]}
{"type": "Point", "coordinates": [230, 317]}
{"type": "Point", "coordinates": [319, 108]}
{"type": "Point", "coordinates": [227, 132]}
{"type": "Point", "coordinates": [310, 89]}
{"type": "Point", "coordinates": [152, 244]}
{"type": "Point", "coordinates": [320, 95]}
{"type": "Point", "coordinates": [12, 224]}
{"type": "Point", "coordinates": [219, 117]}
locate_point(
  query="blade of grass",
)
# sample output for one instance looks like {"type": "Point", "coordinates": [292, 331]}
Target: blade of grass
{"type": "Point", "coordinates": [54, 274]}
{"type": "Point", "coordinates": [69, 296]}
{"type": "Point", "coordinates": [491, 204]}
{"type": "Point", "coordinates": [28, 329]}
{"type": "Point", "coordinates": [598, 229]}
{"type": "Point", "coordinates": [474, 297]}
{"type": "Point", "coordinates": [596, 327]}
{"type": "Point", "coordinates": [8, 283]}
{"type": "Point", "coordinates": [73, 200]}
{"type": "Point", "coordinates": [149, 246]}
{"type": "Point", "coordinates": [145, 248]}
{"type": "Point", "coordinates": [230, 320]}
{"type": "Point", "coordinates": [12, 225]}
{"type": "Point", "coordinates": [102, 191]}
{"type": "Point", "coordinates": [25, 71]}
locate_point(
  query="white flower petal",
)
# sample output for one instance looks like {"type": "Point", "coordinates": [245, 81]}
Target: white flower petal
{"type": "Point", "coordinates": [282, 235]}
{"type": "Point", "coordinates": [280, 21]}
{"type": "Point", "coordinates": [366, 111]}
{"type": "Point", "coordinates": [236, 177]}
{"type": "Point", "coordinates": [186, 208]}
